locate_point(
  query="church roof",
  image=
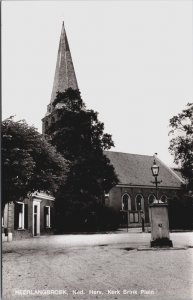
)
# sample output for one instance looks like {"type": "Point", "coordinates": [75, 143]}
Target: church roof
{"type": "Point", "coordinates": [135, 170]}
{"type": "Point", "coordinates": [178, 172]}
{"type": "Point", "coordinates": [65, 76]}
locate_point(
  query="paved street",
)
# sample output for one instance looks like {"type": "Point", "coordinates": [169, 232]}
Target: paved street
{"type": "Point", "coordinates": [103, 266]}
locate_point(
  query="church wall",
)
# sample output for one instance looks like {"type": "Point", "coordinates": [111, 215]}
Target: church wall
{"type": "Point", "coordinates": [115, 198]}
{"type": "Point", "coordinates": [48, 120]}
{"type": "Point", "coordinates": [117, 192]}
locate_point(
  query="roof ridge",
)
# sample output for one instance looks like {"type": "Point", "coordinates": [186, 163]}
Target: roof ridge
{"type": "Point", "coordinates": [129, 153]}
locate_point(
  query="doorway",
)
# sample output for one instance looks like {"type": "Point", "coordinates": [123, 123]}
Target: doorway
{"type": "Point", "coordinates": [36, 218]}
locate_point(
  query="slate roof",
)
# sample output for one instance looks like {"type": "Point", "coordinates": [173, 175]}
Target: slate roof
{"type": "Point", "coordinates": [178, 172]}
{"type": "Point", "coordinates": [135, 169]}
{"type": "Point", "coordinates": [65, 76]}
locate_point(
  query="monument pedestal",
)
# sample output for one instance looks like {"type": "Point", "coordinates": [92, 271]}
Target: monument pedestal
{"type": "Point", "coordinates": [160, 236]}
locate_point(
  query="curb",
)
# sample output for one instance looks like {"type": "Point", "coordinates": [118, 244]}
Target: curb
{"type": "Point", "coordinates": [160, 248]}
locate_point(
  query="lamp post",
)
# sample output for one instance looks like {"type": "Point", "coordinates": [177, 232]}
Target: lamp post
{"type": "Point", "coordinates": [159, 216]}
{"type": "Point", "coordinates": [155, 173]}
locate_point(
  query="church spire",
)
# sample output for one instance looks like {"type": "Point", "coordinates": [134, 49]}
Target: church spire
{"type": "Point", "coordinates": [64, 74]}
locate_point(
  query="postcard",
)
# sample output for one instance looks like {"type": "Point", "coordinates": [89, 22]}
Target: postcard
{"type": "Point", "coordinates": [97, 155]}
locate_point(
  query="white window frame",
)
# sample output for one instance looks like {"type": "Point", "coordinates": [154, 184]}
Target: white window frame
{"type": "Point", "coordinates": [21, 221]}
{"type": "Point", "coordinates": [48, 217]}
{"type": "Point", "coordinates": [166, 198]}
{"type": "Point", "coordinates": [129, 201]}
{"type": "Point", "coordinates": [150, 196]}
{"type": "Point", "coordinates": [142, 202]}
{"type": "Point", "coordinates": [36, 202]}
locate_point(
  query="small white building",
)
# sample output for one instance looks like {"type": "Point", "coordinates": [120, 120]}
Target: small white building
{"type": "Point", "coordinates": [30, 217]}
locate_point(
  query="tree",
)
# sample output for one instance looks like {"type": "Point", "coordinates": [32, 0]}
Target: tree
{"type": "Point", "coordinates": [29, 162]}
{"type": "Point", "coordinates": [181, 144]}
{"type": "Point", "coordinates": [79, 137]}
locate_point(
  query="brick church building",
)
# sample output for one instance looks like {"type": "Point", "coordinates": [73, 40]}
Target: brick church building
{"type": "Point", "coordinates": [135, 189]}
{"type": "Point", "coordinates": [131, 196]}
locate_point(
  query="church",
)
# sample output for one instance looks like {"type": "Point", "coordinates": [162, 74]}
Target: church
{"type": "Point", "coordinates": [135, 190]}
{"type": "Point", "coordinates": [130, 197]}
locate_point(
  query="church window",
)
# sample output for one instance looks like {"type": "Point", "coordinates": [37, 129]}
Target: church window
{"type": "Point", "coordinates": [151, 198]}
{"type": "Point", "coordinates": [126, 202]}
{"type": "Point", "coordinates": [163, 198]}
{"type": "Point", "coordinates": [139, 202]}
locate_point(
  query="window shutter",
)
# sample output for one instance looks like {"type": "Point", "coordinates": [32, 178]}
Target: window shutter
{"type": "Point", "coordinates": [25, 216]}
{"type": "Point", "coordinates": [16, 215]}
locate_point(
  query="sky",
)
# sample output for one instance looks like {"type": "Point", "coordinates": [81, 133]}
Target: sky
{"type": "Point", "coordinates": [133, 61]}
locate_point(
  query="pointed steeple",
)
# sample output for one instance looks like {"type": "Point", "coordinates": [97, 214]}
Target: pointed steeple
{"type": "Point", "coordinates": [65, 76]}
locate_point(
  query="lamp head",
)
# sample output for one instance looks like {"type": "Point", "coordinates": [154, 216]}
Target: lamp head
{"type": "Point", "coordinates": [155, 169]}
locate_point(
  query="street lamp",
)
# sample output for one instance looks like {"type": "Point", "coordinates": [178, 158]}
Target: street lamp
{"type": "Point", "coordinates": [160, 236]}
{"type": "Point", "coordinates": [155, 173]}
{"type": "Point", "coordinates": [155, 169]}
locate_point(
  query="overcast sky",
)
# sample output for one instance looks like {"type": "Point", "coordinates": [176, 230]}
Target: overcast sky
{"type": "Point", "coordinates": [133, 61]}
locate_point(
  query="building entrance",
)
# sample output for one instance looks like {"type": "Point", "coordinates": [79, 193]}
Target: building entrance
{"type": "Point", "coordinates": [36, 218]}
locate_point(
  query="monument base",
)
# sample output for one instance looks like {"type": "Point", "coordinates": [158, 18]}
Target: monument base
{"type": "Point", "coordinates": [163, 242]}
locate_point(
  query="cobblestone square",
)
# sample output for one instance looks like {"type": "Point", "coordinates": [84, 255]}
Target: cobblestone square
{"type": "Point", "coordinates": [91, 266]}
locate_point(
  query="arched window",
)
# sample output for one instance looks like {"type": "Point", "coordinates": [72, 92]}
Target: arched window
{"type": "Point", "coordinates": [139, 202]}
{"type": "Point", "coordinates": [164, 198]}
{"type": "Point", "coordinates": [126, 202]}
{"type": "Point", "coordinates": [151, 198]}
{"type": "Point", "coordinates": [53, 120]}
